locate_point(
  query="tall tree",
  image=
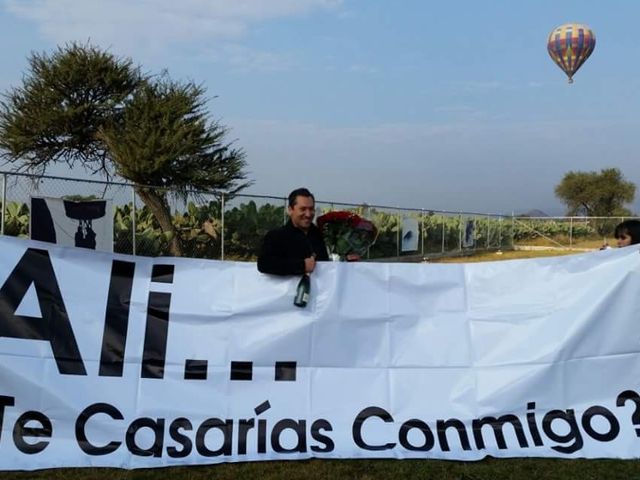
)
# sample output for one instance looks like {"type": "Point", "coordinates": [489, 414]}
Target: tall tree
{"type": "Point", "coordinates": [165, 139]}
{"type": "Point", "coordinates": [64, 99]}
{"type": "Point", "coordinates": [82, 104]}
{"type": "Point", "coordinates": [598, 194]}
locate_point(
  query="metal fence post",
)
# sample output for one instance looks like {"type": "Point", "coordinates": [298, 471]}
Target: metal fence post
{"type": "Point", "coordinates": [222, 227]}
{"type": "Point", "coordinates": [475, 225]}
{"type": "Point", "coordinates": [285, 216]}
{"type": "Point", "coordinates": [134, 227]}
{"type": "Point", "coordinates": [570, 233]}
{"type": "Point", "coordinates": [398, 236]}
{"type": "Point", "coordinates": [4, 202]}
{"type": "Point", "coordinates": [488, 231]}
{"type": "Point", "coordinates": [422, 230]}
{"type": "Point", "coordinates": [460, 231]}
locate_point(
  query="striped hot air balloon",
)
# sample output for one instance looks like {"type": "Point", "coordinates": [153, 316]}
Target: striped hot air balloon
{"type": "Point", "coordinates": [570, 45]}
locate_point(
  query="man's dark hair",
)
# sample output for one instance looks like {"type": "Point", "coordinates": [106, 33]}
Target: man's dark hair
{"type": "Point", "coordinates": [628, 227]}
{"type": "Point", "coordinates": [300, 192]}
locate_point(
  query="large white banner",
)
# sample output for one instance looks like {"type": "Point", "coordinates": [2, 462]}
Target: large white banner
{"type": "Point", "coordinates": [111, 360]}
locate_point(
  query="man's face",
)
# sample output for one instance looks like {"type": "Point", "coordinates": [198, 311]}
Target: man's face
{"type": "Point", "coordinates": [302, 212]}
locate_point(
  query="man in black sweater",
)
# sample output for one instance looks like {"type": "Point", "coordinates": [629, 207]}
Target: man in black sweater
{"type": "Point", "coordinates": [294, 248]}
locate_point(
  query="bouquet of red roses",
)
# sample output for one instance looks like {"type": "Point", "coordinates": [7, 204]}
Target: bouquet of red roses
{"type": "Point", "coordinates": [345, 232]}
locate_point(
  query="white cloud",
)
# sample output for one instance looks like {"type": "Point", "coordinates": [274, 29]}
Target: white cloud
{"type": "Point", "coordinates": [240, 58]}
{"type": "Point", "coordinates": [155, 24]}
{"type": "Point", "coordinates": [359, 68]}
{"type": "Point", "coordinates": [480, 86]}
{"type": "Point", "coordinates": [464, 111]}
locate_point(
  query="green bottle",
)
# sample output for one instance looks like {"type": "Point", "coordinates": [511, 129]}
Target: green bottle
{"type": "Point", "coordinates": [302, 292]}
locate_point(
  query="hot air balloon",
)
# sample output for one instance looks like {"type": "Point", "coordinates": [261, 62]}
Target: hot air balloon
{"type": "Point", "coordinates": [570, 45]}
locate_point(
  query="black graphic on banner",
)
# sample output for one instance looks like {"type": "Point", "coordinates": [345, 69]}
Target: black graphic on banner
{"type": "Point", "coordinates": [155, 336]}
{"type": "Point", "coordinates": [162, 273]}
{"type": "Point", "coordinates": [562, 427]}
{"type": "Point", "coordinates": [42, 228]}
{"type": "Point", "coordinates": [82, 224]}
{"type": "Point", "coordinates": [35, 268]}
{"type": "Point", "coordinates": [564, 431]}
{"type": "Point", "coordinates": [241, 371]}
{"type": "Point", "coordinates": [85, 213]}
{"type": "Point", "coordinates": [285, 371]}
{"type": "Point", "coordinates": [116, 317]}
{"type": "Point", "coordinates": [195, 370]}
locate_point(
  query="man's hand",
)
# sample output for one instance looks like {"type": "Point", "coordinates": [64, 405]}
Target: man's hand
{"type": "Point", "coordinates": [309, 264]}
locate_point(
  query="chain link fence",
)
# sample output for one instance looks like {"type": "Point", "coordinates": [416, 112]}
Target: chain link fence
{"type": "Point", "coordinates": [214, 226]}
{"type": "Point", "coordinates": [575, 233]}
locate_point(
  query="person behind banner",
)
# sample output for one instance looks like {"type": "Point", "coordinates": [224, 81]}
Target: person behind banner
{"type": "Point", "coordinates": [627, 233]}
{"type": "Point", "coordinates": [294, 248]}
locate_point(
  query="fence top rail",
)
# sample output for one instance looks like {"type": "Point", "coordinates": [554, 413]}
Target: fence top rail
{"type": "Point", "coordinates": [101, 182]}
{"type": "Point", "coordinates": [68, 179]}
{"type": "Point", "coordinates": [582, 218]}
{"type": "Point", "coordinates": [427, 211]}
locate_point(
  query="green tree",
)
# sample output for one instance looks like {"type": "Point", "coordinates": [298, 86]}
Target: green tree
{"type": "Point", "coordinates": [165, 139]}
{"type": "Point", "coordinates": [598, 194]}
{"type": "Point", "coordinates": [65, 98]}
{"type": "Point", "coordinates": [247, 224]}
{"type": "Point", "coordinates": [81, 104]}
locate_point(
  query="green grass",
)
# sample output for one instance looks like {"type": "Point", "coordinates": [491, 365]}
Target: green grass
{"type": "Point", "coordinates": [505, 255]}
{"type": "Point", "coordinates": [488, 469]}
{"type": "Point", "coordinates": [565, 242]}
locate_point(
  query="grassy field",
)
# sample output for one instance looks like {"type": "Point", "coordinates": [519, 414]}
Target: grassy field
{"type": "Point", "coordinates": [488, 469]}
{"type": "Point", "coordinates": [575, 243]}
{"type": "Point", "coordinates": [505, 255]}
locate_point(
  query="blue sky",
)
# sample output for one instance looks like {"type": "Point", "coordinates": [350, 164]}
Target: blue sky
{"type": "Point", "coordinates": [413, 103]}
